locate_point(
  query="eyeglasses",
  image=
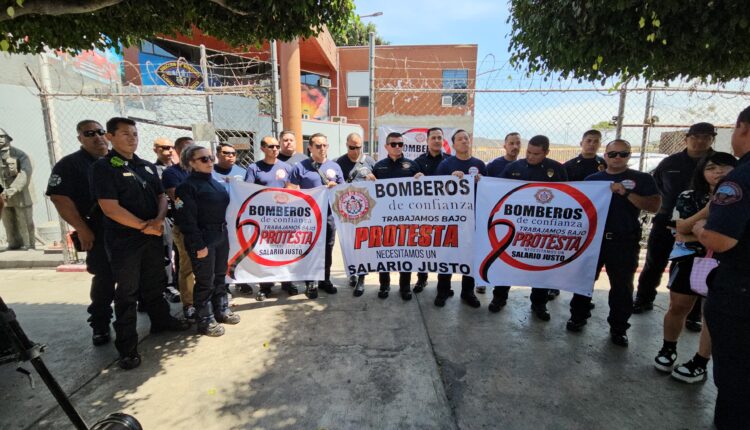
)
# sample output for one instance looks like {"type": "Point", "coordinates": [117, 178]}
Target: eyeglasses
{"type": "Point", "coordinates": [164, 148]}
{"type": "Point", "coordinates": [229, 154]}
{"type": "Point", "coordinates": [272, 146]}
{"type": "Point", "coordinates": [622, 154]}
{"type": "Point", "coordinates": [92, 133]}
{"type": "Point", "coordinates": [320, 145]}
{"type": "Point", "coordinates": [396, 144]}
{"type": "Point", "coordinates": [204, 159]}
{"type": "Point", "coordinates": [355, 148]}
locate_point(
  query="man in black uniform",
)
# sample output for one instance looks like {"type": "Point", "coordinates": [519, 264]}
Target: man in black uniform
{"type": "Point", "coordinates": [587, 162]}
{"type": "Point", "coordinates": [536, 167]}
{"type": "Point", "coordinates": [727, 312]}
{"type": "Point", "coordinates": [70, 191]}
{"type": "Point", "coordinates": [395, 166]}
{"type": "Point", "coordinates": [427, 164]}
{"type": "Point", "coordinates": [632, 191]}
{"type": "Point", "coordinates": [672, 177]}
{"type": "Point", "coordinates": [131, 196]}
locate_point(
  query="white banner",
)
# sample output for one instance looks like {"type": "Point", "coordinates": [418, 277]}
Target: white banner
{"type": "Point", "coordinates": [275, 234]}
{"type": "Point", "coordinates": [405, 225]}
{"type": "Point", "coordinates": [415, 140]}
{"type": "Point", "coordinates": [540, 234]}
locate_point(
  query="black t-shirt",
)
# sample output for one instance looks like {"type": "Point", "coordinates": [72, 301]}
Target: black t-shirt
{"type": "Point", "coordinates": [364, 169]}
{"type": "Point", "coordinates": [673, 176]}
{"type": "Point", "coordinates": [547, 171]}
{"type": "Point", "coordinates": [472, 165]}
{"type": "Point", "coordinates": [428, 164]}
{"type": "Point", "coordinates": [70, 178]}
{"type": "Point", "coordinates": [387, 168]}
{"type": "Point", "coordinates": [495, 167]}
{"type": "Point", "coordinates": [623, 215]}
{"type": "Point", "coordinates": [133, 183]}
{"type": "Point", "coordinates": [579, 168]}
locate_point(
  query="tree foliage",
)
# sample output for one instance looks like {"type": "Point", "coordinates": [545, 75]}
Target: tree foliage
{"type": "Point", "coordinates": [356, 33]}
{"type": "Point", "coordinates": [655, 40]}
{"type": "Point", "coordinates": [27, 26]}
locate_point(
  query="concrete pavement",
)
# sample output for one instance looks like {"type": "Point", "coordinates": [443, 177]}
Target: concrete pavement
{"type": "Point", "coordinates": [355, 363]}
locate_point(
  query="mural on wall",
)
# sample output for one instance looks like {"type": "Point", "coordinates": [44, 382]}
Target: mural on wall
{"type": "Point", "coordinates": [315, 101]}
{"type": "Point", "coordinates": [102, 66]}
{"type": "Point", "coordinates": [172, 72]}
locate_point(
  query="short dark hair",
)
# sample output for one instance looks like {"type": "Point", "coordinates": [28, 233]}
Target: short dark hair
{"type": "Point", "coordinates": [283, 132]}
{"type": "Point", "coordinates": [512, 133]}
{"type": "Point", "coordinates": [744, 116]}
{"type": "Point", "coordinates": [540, 141]}
{"type": "Point", "coordinates": [318, 135]}
{"type": "Point", "coordinates": [114, 123]}
{"type": "Point", "coordinates": [623, 141]}
{"type": "Point", "coordinates": [81, 124]}
{"type": "Point", "coordinates": [223, 144]}
{"type": "Point", "coordinates": [460, 130]}
{"type": "Point", "coordinates": [393, 135]}
{"type": "Point", "coordinates": [698, 183]}
{"type": "Point", "coordinates": [431, 129]}
{"type": "Point", "coordinates": [181, 141]}
{"type": "Point", "coordinates": [592, 132]}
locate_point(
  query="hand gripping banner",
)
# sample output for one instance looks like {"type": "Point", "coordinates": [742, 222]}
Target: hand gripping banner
{"type": "Point", "coordinates": [540, 234]}
{"type": "Point", "coordinates": [275, 234]}
{"type": "Point", "coordinates": [405, 225]}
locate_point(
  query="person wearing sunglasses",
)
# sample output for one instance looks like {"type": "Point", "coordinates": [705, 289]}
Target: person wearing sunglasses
{"type": "Point", "coordinates": [69, 189]}
{"type": "Point", "coordinates": [632, 192]}
{"type": "Point", "coordinates": [226, 168]}
{"type": "Point", "coordinates": [270, 172]}
{"type": "Point", "coordinates": [319, 171]}
{"type": "Point", "coordinates": [131, 196]}
{"type": "Point", "coordinates": [164, 150]}
{"type": "Point", "coordinates": [356, 167]}
{"type": "Point", "coordinates": [395, 166]}
{"type": "Point", "coordinates": [200, 209]}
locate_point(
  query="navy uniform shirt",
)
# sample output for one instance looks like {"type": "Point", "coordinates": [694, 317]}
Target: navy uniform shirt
{"type": "Point", "coordinates": [623, 215]}
{"type": "Point", "coordinates": [364, 167]}
{"type": "Point", "coordinates": [729, 215]}
{"type": "Point", "coordinates": [135, 186]}
{"type": "Point", "coordinates": [387, 168]}
{"type": "Point", "coordinates": [472, 165]}
{"type": "Point", "coordinates": [270, 175]}
{"type": "Point", "coordinates": [305, 173]}
{"type": "Point", "coordinates": [495, 167]}
{"type": "Point", "coordinates": [673, 175]}
{"type": "Point", "coordinates": [293, 159]}
{"type": "Point", "coordinates": [200, 210]}
{"type": "Point", "coordinates": [547, 171]}
{"type": "Point", "coordinates": [223, 176]}
{"type": "Point", "coordinates": [428, 164]}
{"type": "Point", "coordinates": [70, 178]}
{"type": "Point", "coordinates": [173, 176]}
{"type": "Point", "coordinates": [579, 168]}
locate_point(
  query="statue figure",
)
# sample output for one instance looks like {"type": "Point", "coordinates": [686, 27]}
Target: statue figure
{"type": "Point", "coordinates": [15, 178]}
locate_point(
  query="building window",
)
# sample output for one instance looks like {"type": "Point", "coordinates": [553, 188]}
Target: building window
{"type": "Point", "coordinates": [357, 89]}
{"type": "Point", "coordinates": [455, 79]}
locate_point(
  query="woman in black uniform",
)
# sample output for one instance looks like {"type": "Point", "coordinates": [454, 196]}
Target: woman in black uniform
{"type": "Point", "coordinates": [200, 208]}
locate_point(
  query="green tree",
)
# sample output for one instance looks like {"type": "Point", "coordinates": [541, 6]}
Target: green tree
{"type": "Point", "coordinates": [27, 26]}
{"type": "Point", "coordinates": [356, 33]}
{"type": "Point", "coordinates": [655, 40]}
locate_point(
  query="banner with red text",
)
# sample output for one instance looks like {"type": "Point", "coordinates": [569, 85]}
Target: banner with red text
{"type": "Point", "coordinates": [540, 234]}
{"type": "Point", "coordinates": [415, 140]}
{"type": "Point", "coordinates": [275, 234]}
{"type": "Point", "coordinates": [405, 225]}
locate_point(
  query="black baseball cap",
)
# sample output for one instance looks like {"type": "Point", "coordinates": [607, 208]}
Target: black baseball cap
{"type": "Point", "coordinates": [702, 128]}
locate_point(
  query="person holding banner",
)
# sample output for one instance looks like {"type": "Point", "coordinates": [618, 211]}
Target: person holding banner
{"type": "Point", "coordinates": [319, 171]}
{"type": "Point", "coordinates": [428, 164]}
{"type": "Point", "coordinates": [535, 167]}
{"type": "Point", "coordinates": [270, 172]}
{"type": "Point", "coordinates": [200, 210]}
{"type": "Point", "coordinates": [459, 165]}
{"type": "Point", "coordinates": [356, 167]}
{"type": "Point", "coordinates": [395, 166]}
{"type": "Point", "coordinates": [632, 192]}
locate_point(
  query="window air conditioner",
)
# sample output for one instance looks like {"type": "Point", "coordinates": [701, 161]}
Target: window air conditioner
{"type": "Point", "coordinates": [341, 119]}
{"type": "Point", "coordinates": [447, 101]}
{"type": "Point", "coordinates": [352, 102]}
{"type": "Point", "coordinates": [325, 82]}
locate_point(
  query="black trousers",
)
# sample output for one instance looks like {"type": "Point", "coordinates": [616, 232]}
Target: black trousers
{"type": "Point", "coordinates": [210, 291]}
{"type": "Point", "coordinates": [538, 296]}
{"type": "Point", "coordinates": [660, 242]}
{"type": "Point", "coordinates": [136, 261]}
{"type": "Point", "coordinates": [620, 257]}
{"type": "Point", "coordinates": [444, 284]}
{"type": "Point", "coordinates": [102, 291]}
{"type": "Point", "coordinates": [422, 277]}
{"type": "Point", "coordinates": [404, 280]}
{"type": "Point", "coordinates": [727, 315]}
{"type": "Point", "coordinates": [330, 241]}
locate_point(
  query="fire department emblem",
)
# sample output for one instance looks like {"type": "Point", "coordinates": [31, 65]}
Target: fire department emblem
{"type": "Point", "coordinates": [354, 205]}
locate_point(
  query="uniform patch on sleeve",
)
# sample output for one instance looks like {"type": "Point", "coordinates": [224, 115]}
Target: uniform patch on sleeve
{"type": "Point", "coordinates": [178, 204]}
{"type": "Point", "coordinates": [727, 193]}
{"type": "Point", "coordinates": [54, 180]}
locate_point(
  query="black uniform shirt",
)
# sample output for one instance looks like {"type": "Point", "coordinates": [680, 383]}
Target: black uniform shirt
{"type": "Point", "coordinates": [471, 165]}
{"type": "Point", "coordinates": [387, 168]}
{"type": "Point", "coordinates": [548, 171]}
{"type": "Point", "coordinates": [70, 178]}
{"type": "Point", "coordinates": [200, 208]}
{"type": "Point", "coordinates": [672, 176]}
{"type": "Point", "coordinates": [729, 215]}
{"type": "Point", "coordinates": [364, 167]}
{"type": "Point", "coordinates": [579, 168]}
{"type": "Point", "coordinates": [428, 164]}
{"type": "Point", "coordinates": [495, 167]}
{"type": "Point", "coordinates": [623, 215]}
{"type": "Point", "coordinates": [133, 183]}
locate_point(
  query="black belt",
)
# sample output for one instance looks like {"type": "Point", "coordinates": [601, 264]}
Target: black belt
{"type": "Point", "coordinates": [633, 235]}
{"type": "Point", "coordinates": [215, 227]}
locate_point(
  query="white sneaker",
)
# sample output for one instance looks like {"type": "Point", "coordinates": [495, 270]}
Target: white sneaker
{"type": "Point", "coordinates": [664, 361]}
{"type": "Point", "coordinates": [689, 372]}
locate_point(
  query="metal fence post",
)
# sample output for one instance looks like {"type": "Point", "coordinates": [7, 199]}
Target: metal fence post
{"type": "Point", "coordinates": [275, 89]}
{"type": "Point", "coordinates": [371, 109]}
{"type": "Point", "coordinates": [647, 122]}
{"type": "Point", "coordinates": [207, 90]}
{"type": "Point", "coordinates": [621, 111]}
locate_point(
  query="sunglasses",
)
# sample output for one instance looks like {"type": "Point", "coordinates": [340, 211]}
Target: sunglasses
{"type": "Point", "coordinates": [272, 146]}
{"type": "Point", "coordinates": [396, 144]}
{"type": "Point", "coordinates": [229, 154]}
{"type": "Point", "coordinates": [622, 154]}
{"type": "Point", "coordinates": [204, 159]}
{"type": "Point", "coordinates": [164, 148]}
{"type": "Point", "coordinates": [92, 133]}
{"type": "Point", "coordinates": [320, 145]}
{"type": "Point", "coordinates": [355, 148]}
